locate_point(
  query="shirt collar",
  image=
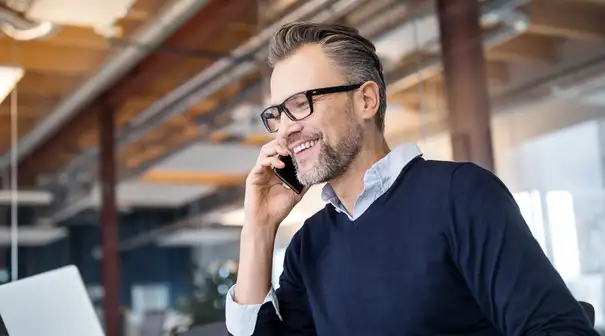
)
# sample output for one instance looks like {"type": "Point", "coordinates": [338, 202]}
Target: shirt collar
{"type": "Point", "coordinates": [382, 174]}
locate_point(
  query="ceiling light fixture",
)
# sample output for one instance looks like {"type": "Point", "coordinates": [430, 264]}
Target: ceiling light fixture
{"type": "Point", "coordinates": [38, 31]}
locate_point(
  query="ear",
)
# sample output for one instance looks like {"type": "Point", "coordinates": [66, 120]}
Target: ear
{"type": "Point", "coordinates": [370, 95]}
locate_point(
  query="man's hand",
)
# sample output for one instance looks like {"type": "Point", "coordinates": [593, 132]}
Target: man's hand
{"type": "Point", "coordinates": [266, 205]}
{"type": "Point", "coordinates": [268, 201]}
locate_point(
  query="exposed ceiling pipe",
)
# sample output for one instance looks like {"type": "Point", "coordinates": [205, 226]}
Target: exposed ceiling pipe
{"type": "Point", "coordinates": [502, 11]}
{"type": "Point", "coordinates": [242, 61]}
{"type": "Point", "coordinates": [229, 69]}
{"type": "Point", "coordinates": [221, 72]}
{"type": "Point", "coordinates": [239, 63]}
{"type": "Point", "coordinates": [72, 204]}
{"type": "Point", "coordinates": [20, 28]}
{"type": "Point", "coordinates": [82, 162]}
{"type": "Point", "coordinates": [580, 79]}
{"type": "Point", "coordinates": [574, 81]}
{"type": "Point", "coordinates": [514, 23]}
{"type": "Point", "coordinates": [174, 15]}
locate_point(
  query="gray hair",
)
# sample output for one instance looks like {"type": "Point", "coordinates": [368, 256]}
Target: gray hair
{"type": "Point", "coordinates": [352, 53]}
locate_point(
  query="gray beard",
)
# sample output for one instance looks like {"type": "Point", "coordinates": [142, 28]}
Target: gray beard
{"type": "Point", "coordinates": [333, 162]}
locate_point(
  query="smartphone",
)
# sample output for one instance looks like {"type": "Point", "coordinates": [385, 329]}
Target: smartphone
{"type": "Point", "coordinates": [288, 174]}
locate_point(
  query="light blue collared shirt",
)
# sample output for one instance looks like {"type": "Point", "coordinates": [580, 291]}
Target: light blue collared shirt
{"type": "Point", "coordinates": [376, 181]}
{"type": "Point", "coordinates": [241, 319]}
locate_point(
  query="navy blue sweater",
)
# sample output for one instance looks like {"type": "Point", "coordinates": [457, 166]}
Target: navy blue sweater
{"type": "Point", "coordinates": [444, 252]}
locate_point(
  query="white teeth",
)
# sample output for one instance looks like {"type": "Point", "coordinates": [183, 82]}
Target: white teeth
{"type": "Point", "coordinates": [303, 146]}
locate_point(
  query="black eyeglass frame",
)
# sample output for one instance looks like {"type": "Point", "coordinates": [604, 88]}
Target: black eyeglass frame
{"type": "Point", "coordinates": [309, 94]}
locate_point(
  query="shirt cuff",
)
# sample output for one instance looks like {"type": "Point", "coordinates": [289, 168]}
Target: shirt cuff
{"type": "Point", "coordinates": [241, 319]}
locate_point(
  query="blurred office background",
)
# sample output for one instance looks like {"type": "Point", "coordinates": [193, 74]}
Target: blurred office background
{"type": "Point", "coordinates": [127, 128]}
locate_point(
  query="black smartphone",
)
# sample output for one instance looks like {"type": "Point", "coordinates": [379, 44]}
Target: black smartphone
{"type": "Point", "coordinates": [288, 174]}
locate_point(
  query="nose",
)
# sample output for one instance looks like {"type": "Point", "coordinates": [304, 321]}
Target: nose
{"type": "Point", "coordinates": [285, 121]}
{"type": "Point", "coordinates": [286, 128]}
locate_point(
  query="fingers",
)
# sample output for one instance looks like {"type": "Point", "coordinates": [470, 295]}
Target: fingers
{"type": "Point", "coordinates": [268, 157]}
{"type": "Point", "coordinates": [273, 148]}
{"type": "Point", "coordinates": [272, 161]}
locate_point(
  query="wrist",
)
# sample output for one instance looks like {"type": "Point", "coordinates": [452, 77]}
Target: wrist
{"type": "Point", "coordinates": [258, 232]}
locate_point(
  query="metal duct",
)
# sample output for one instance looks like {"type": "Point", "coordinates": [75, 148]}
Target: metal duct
{"type": "Point", "coordinates": [583, 78]}
{"type": "Point", "coordinates": [236, 67]}
{"type": "Point", "coordinates": [514, 23]}
{"type": "Point", "coordinates": [242, 62]}
{"type": "Point", "coordinates": [151, 35]}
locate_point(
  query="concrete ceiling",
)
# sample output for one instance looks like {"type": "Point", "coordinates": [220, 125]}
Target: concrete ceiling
{"type": "Point", "coordinates": [136, 194]}
{"type": "Point", "coordinates": [213, 158]}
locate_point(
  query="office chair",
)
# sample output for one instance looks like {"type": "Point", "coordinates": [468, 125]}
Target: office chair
{"type": "Point", "coordinates": [589, 310]}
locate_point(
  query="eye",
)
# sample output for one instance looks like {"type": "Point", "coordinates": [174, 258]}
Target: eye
{"type": "Point", "coordinates": [303, 105]}
{"type": "Point", "coordinates": [297, 103]}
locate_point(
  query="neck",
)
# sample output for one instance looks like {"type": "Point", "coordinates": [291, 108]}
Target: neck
{"type": "Point", "coordinates": [349, 185]}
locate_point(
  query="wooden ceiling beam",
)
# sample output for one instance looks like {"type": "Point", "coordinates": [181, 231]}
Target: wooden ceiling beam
{"type": "Point", "coordinates": [41, 98]}
{"type": "Point", "coordinates": [188, 68]}
{"type": "Point", "coordinates": [575, 20]}
{"type": "Point", "coordinates": [24, 112]}
{"type": "Point", "coordinates": [366, 10]}
{"type": "Point", "coordinates": [201, 29]}
{"type": "Point", "coordinates": [43, 57]}
{"type": "Point", "coordinates": [24, 125]}
{"type": "Point", "coordinates": [525, 48]}
{"type": "Point", "coordinates": [56, 84]}
{"type": "Point", "coordinates": [197, 31]}
{"type": "Point", "coordinates": [433, 89]}
{"type": "Point", "coordinates": [72, 36]}
{"type": "Point", "coordinates": [430, 97]}
{"type": "Point", "coordinates": [131, 109]}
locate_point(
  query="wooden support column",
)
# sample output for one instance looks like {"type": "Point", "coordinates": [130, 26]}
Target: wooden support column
{"type": "Point", "coordinates": [465, 80]}
{"type": "Point", "coordinates": [109, 220]}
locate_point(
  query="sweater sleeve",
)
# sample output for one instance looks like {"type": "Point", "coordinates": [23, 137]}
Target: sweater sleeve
{"type": "Point", "coordinates": [512, 280]}
{"type": "Point", "coordinates": [289, 315]}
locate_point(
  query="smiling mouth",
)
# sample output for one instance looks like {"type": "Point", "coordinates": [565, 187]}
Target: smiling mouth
{"type": "Point", "coordinates": [304, 146]}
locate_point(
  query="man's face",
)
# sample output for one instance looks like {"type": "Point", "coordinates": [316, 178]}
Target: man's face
{"type": "Point", "coordinates": [324, 144]}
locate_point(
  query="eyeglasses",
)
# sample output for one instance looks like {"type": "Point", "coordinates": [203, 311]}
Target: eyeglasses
{"type": "Point", "coordinates": [299, 106]}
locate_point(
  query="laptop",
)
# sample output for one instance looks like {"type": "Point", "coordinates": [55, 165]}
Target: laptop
{"type": "Point", "coordinates": [53, 303]}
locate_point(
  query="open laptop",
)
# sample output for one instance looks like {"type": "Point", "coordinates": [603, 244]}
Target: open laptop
{"type": "Point", "coordinates": [54, 303]}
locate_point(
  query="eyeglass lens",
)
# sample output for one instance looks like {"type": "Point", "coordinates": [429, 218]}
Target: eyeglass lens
{"type": "Point", "coordinates": [296, 107]}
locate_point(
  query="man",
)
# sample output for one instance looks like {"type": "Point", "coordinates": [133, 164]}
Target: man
{"type": "Point", "coordinates": [405, 246]}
